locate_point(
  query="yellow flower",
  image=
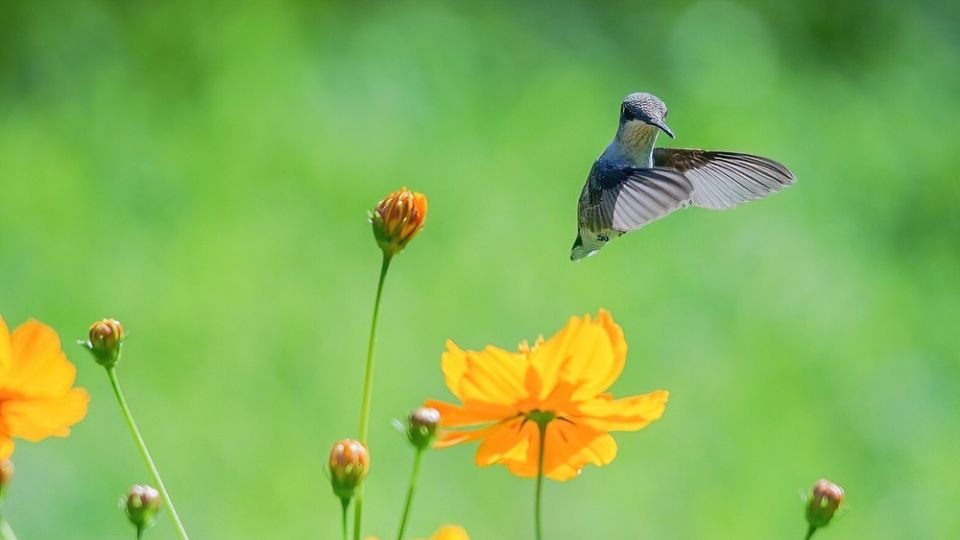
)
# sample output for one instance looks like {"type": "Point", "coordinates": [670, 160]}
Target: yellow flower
{"type": "Point", "coordinates": [37, 398]}
{"type": "Point", "coordinates": [447, 532]}
{"type": "Point", "coordinates": [397, 219]}
{"type": "Point", "coordinates": [561, 382]}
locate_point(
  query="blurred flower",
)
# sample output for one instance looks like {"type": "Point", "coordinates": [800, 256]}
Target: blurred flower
{"type": "Point", "coordinates": [37, 398]}
{"type": "Point", "coordinates": [106, 342]}
{"type": "Point", "coordinates": [447, 532]}
{"type": "Point", "coordinates": [397, 219]}
{"type": "Point", "coordinates": [142, 505]}
{"type": "Point", "coordinates": [349, 464]}
{"type": "Point", "coordinates": [422, 427]}
{"type": "Point", "coordinates": [6, 475]}
{"type": "Point", "coordinates": [823, 503]}
{"type": "Point", "coordinates": [560, 383]}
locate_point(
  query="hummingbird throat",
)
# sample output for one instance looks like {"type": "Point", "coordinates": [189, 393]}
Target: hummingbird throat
{"type": "Point", "coordinates": [634, 144]}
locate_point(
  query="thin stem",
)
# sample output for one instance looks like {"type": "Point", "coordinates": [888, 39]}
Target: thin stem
{"type": "Point", "coordinates": [810, 532]}
{"type": "Point", "coordinates": [536, 510]}
{"type": "Point", "coordinates": [371, 344]}
{"type": "Point", "coordinates": [346, 504]}
{"type": "Point", "coordinates": [368, 387]}
{"type": "Point", "coordinates": [6, 533]}
{"type": "Point", "coordinates": [140, 532]}
{"type": "Point", "coordinates": [410, 492]}
{"type": "Point", "coordinates": [145, 453]}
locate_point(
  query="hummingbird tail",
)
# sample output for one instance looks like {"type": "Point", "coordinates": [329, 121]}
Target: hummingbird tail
{"type": "Point", "coordinates": [581, 251]}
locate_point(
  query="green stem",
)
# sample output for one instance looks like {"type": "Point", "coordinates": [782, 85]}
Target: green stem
{"type": "Point", "coordinates": [346, 504]}
{"type": "Point", "coordinates": [810, 532]}
{"type": "Point", "coordinates": [6, 533]}
{"type": "Point", "coordinates": [142, 445]}
{"type": "Point", "coordinates": [536, 510]}
{"type": "Point", "coordinates": [410, 492]}
{"type": "Point", "coordinates": [368, 386]}
{"type": "Point", "coordinates": [140, 532]}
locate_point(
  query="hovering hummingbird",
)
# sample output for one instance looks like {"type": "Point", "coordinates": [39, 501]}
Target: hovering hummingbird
{"type": "Point", "coordinates": [633, 183]}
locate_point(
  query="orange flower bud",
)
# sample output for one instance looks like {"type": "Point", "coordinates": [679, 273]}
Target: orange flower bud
{"type": "Point", "coordinates": [349, 464]}
{"type": "Point", "coordinates": [141, 506]}
{"type": "Point", "coordinates": [823, 503]}
{"type": "Point", "coordinates": [6, 475]}
{"type": "Point", "coordinates": [397, 219]}
{"type": "Point", "coordinates": [106, 342]}
{"type": "Point", "coordinates": [423, 426]}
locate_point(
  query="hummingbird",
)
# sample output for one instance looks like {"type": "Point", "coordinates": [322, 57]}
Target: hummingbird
{"type": "Point", "coordinates": [633, 183]}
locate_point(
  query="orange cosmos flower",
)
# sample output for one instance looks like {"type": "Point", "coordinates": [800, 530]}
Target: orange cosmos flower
{"type": "Point", "coordinates": [447, 532]}
{"type": "Point", "coordinates": [37, 398]}
{"type": "Point", "coordinates": [561, 382]}
{"type": "Point", "coordinates": [397, 219]}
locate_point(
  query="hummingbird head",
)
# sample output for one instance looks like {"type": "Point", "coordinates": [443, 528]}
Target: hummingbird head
{"type": "Point", "coordinates": [646, 108]}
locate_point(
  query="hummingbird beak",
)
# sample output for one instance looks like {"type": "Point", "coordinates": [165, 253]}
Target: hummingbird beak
{"type": "Point", "coordinates": [663, 126]}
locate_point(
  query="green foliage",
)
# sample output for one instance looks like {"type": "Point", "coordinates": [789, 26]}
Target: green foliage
{"type": "Point", "coordinates": [204, 173]}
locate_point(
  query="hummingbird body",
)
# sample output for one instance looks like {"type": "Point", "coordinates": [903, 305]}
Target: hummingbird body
{"type": "Point", "coordinates": [633, 183]}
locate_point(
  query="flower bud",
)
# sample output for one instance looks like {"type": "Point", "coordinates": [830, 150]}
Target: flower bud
{"type": "Point", "coordinates": [106, 342]}
{"type": "Point", "coordinates": [422, 429]}
{"type": "Point", "coordinates": [6, 475]}
{"type": "Point", "coordinates": [397, 219]}
{"type": "Point", "coordinates": [349, 464]}
{"type": "Point", "coordinates": [824, 501]}
{"type": "Point", "coordinates": [141, 506]}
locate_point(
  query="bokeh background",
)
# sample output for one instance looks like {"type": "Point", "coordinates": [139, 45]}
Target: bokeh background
{"type": "Point", "coordinates": [203, 173]}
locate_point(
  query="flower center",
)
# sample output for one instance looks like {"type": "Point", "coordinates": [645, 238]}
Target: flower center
{"type": "Point", "coordinates": [542, 418]}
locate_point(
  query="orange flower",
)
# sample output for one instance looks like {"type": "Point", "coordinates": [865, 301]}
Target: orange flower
{"type": "Point", "coordinates": [36, 395]}
{"type": "Point", "coordinates": [397, 219]}
{"type": "Point", "coordinates": [447, 532]}
{"type": "Point", "coordinates": [561, 382]}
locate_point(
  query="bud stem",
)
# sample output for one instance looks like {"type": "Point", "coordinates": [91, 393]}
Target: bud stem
{"type": "Point", "coordinates": [810, 532]}
{"type": "Point", "coordinates": [345, 502]}
{"type": "Point", "coordinates": [411, 490]}
{"type": "Point", "coordinates": [6, 533]}
{"type": "Point", "coordinates": [368, 385]}
{"type": "Point", "coordinates": [543, 439]}
{"type": "Point", "coordinates": [145, 453]}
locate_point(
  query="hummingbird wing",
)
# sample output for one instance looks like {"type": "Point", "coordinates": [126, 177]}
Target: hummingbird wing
{"type": "Point", "coordinates": [722, 180]}
{"type": "Point", "coordinates": [626, 199]}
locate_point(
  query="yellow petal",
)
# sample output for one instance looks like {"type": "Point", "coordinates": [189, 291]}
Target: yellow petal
{"type": "Point", "coordinates": [492, 375]}
{"type": "Point", "coordinates": [36, 418]}
{"type": "Point", "coordinates": [506, 441]}
{"type": "Point", "coordinates": [5, 359]}
{"type": "Point", "coordinates": [587, 354]}
{"type": "Point", "coordinates": [628, 414]}
{"type": "Point", "coordinates": [471, 414]}
{"type": "Point", "coordinates": [450, 532]}
{"type": "Point", "coordinates": [38, 366]}
{"type": "Point", "coordinates": [6, 447]}
{"type": "Point", "coordinates": [570, 447]}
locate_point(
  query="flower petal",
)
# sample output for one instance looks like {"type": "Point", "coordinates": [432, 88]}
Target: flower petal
{"type": "Point", "coordinates": [38, 366]}
{"type": "Point", "coordinates": [492, 375]}
{"type": "Point", "coordinates": [473, 413]}
{"type": "Point", "coordinates": [6, 447]}
{"type": "Point", "coordinates": [587, 354]}
{"type": "Point", "coordinates": [35, 419]}
{"type": "Point", "coordinates": [5, 359]}
{"type": "Point", "coordinates": [507, 441]}
{"type": "Point", "coordinates": [628, 414]}
{"type": "Point", "coordinates": [570, 447]}
{"type": "Point", "coordinates": [450, 532]}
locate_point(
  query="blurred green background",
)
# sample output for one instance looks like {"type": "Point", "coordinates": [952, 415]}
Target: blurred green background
{"type": "Point", "coordinates": [202, 172]}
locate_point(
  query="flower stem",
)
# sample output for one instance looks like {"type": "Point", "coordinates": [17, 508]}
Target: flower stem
{"type": "Point", "coordinates": [368, 386]}
{"type": "Point", "coordinates": [145, 453]}
{"type": "Point", "coordinates": [810, 532]}
{"type": "Point", "coordinates": [410, 492]}
{"type": "Point", "coordinates": [6, 533]}
{"type": "Point", "coordinates": [346, 504]}
{"type": "Point", "coordinates": [536, 510]}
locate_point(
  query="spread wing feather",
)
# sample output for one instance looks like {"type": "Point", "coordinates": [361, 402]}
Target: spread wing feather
{"type": "Point", "coordinates": [723, 180]}
{"type": "Point", "coordinates": [627, 199]}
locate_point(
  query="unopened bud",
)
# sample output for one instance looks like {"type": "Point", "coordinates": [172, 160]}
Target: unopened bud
{"type": "Point", "coordinates": [141, 506]}
{"type": "Point", "coordinates": [105, 342]}
{"type": "Point", "coordinates": [422, 429]}
{"type": "Point", "coordinates": [349, 464]}
{"type": "Point", "coordinates": [6, 475]}
{"type": "Point", "coordinates": [823, 503]}
{"type": "Point", "coordinates": [397, 219]}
